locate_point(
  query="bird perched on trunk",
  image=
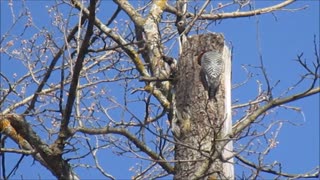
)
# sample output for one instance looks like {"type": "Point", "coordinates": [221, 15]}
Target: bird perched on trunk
{"type": "Point", "coordinates": [211, 69]}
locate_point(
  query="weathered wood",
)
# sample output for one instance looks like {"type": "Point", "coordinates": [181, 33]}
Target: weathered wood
{"type": "Point", "coordinates": [199, 123]}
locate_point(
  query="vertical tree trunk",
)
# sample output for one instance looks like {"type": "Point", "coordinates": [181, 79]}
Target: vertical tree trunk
{"type": "Point", "coordinates": [200, 124]}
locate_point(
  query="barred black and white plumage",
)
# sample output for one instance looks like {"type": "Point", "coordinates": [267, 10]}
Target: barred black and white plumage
{"type": "Point", "coordinates": [211, 69]}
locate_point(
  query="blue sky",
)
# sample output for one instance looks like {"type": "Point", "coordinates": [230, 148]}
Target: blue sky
{"type": "Point", "coordinates": [282, 35]}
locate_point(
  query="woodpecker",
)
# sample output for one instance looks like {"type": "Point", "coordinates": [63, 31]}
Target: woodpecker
{"type": "Point", "coordinates": [211, 69]}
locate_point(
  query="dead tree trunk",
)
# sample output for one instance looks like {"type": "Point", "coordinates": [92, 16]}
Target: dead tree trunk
{"type": "Point", "coordinates": [200, 124]}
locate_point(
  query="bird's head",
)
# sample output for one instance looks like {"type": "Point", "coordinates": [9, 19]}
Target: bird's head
{"type": "Point", "coordinates": [200, 56]}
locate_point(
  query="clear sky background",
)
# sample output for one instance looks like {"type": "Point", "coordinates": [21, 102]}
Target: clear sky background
{"type": "Point", "coordinates": [283, 35]}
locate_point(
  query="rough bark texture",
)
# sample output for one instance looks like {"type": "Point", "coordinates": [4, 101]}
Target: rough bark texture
{"type": "Point", "coordinates": [199, 122]}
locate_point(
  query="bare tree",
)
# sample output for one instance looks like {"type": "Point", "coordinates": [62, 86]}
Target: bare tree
{"type": "Point", "coordinates": [88, 83]}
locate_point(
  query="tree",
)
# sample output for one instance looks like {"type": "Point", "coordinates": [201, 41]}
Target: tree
{"type": "Point", "coordinates": [201, 123]}
{"type": "Point", "coordinates": [91, 83]}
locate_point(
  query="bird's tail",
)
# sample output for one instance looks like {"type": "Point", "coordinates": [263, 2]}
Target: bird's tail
{"type": "Point", "coordinates": [212, 92]}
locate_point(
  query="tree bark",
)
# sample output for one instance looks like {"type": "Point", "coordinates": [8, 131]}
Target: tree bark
{"type": "Point", "coordinates": [200, 124]}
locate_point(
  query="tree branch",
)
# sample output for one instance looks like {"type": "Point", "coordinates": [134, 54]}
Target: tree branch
{"type": "Point", "coordinates": [131, 11]}
{"type": "Point", "coordinates": [158, 79]}
{"type": "Point", "coordinates": [63, 133]}
{"type": "Point", "coordinates": [190, 25]}
{"type": "Point", "coordinates": [17, 128]}
{"type": "Point", "coordinates": [18, 151]}
{"type": "Point", "coordinates": [218, 16]}
{"type": "Point", "coordinates": [121, 131]}
{"type": "Point", "coordinates": [242, 124]}
{"type": "Point", "coordinates": [271, 171]}
{"type": "Point", "coordinates": [130, 49]}
{"type": "Point", "coordinates": [51, 67]}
